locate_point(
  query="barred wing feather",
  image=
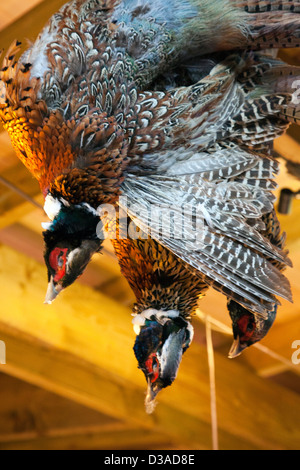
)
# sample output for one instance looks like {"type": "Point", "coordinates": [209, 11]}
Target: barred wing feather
{"type": "Point", "coordinates": [210, 222]}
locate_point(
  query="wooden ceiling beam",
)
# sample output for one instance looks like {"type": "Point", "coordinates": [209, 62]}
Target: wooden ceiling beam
{"type": "Point", "coordinates": [33, 418]}
{"type": "Point", "coordinates": [288, 147]}
{"type": "Point", "coordinates": [14, 206]}
{"type": "Point", "coordinates": [81, 348]}
{"type": "Point", "coordinates": [10, 11]}
{"type": "Point", "coordinates": [29, 25]}
{"type": "Point", "coordinates": [114, 437]}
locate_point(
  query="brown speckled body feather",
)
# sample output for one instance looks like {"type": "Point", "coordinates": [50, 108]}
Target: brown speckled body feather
{"type": "Point", "coordinates": [158, 279]}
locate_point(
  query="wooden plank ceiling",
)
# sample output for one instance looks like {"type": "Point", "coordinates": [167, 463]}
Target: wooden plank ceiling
{"type": "Point", "coordinates": [71, 380]}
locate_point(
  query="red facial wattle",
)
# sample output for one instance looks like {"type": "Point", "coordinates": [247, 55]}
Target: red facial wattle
{"type": "Point", "coordinates": [58, 262]}
{"type": "Point", "coordinates": [152, 366]}
{"type": "Point", "coordinates": [243, 324]}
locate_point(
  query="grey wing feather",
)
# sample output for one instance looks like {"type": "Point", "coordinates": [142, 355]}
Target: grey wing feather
{"type": "Point", "coordinates": [210, 229]}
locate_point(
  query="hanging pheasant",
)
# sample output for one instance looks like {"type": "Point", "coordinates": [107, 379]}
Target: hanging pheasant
{"type": "Point", "coordinates": [114, 100]}
{"type": "Point", "coordinates": [167, 293]}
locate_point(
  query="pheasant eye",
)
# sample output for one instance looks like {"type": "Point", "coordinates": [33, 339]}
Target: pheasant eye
{"type": "Point", "coordinates": [243, 323]}
{"type": "Point", "coordinates": [60, 262]}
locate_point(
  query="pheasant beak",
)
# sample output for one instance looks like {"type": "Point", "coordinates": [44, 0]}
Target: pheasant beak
{"type": "Point", "coordinates": [236, 349]}
{"type": "Point", "coordinates": [52, 291]}
{"type": "Point", "coordinates": [152, 392]}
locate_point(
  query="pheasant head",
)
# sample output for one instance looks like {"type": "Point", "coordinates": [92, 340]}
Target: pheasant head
{"type": "Point", "coordinates": [75, 198]}
{"type": "Point", "coordinates": [71, 239]}
{"type": "Point", "coordinates": [162, 339]}
{"type": "Point", "coordinates": [248, 328]}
